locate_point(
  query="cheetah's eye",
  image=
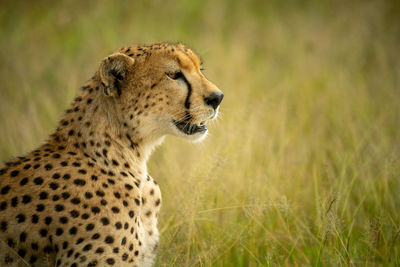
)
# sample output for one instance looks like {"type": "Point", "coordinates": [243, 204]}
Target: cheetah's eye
{"type": "Point", "coordinates": [175, 75]}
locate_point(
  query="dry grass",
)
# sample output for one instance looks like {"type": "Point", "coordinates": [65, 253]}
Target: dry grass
{"type": "Point", "coordinates": [303, 166]}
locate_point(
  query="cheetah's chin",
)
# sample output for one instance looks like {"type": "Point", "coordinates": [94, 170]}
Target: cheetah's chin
{"type": "Point", "coordinates": [190, 128]}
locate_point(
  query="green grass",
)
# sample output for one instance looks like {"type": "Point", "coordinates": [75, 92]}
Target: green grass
{"type": "Point", "coordinates": [303, 166]}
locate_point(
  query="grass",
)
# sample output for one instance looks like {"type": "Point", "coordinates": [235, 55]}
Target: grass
{"type": "Point", "coordinates": [302, 168]}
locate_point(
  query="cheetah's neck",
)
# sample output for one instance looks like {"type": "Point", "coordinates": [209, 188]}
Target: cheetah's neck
{"type": "Point", "coordinates": [89, 127]}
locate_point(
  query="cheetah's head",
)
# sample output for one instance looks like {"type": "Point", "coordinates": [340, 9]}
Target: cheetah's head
{"type": "Point", "coordinates": [159, 90]}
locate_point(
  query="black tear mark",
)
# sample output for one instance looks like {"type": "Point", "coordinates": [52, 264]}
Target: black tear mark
{"type": "Point", "coordinates": [187, 100]}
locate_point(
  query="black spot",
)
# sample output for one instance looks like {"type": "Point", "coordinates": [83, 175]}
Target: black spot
{"type": "Point", "coordinates": [66, 176]}
{"type": "Point", "coordinates": [38, 180]}
{"type": "Point", "coordinates": [5, 189]}
{"type": "Point", "coordinates": [75, 201]}
{"type": "Point", "coordinates": [27, 166]}
{"type": "Point", "coordinates": [96, 236]}
{"type": "Point", "coordinates": [70, 253]}
{"type": "Point", "coordinates": [33, 259]}
{"type": "Point", "coordinates": [20, 218]}
{"type": "Point", "coordinates": [35, 218]}
{"type": "Point", "coordinates": [43, 232]}
{"type": "Point", "coordinates": [36, 166]}
{"type": "Point", "coordinates": [88, 195]}
{"type": "Point", "coordinates": [65, 245]}
{"type": "Point", "coordinates": [128, 186]}
{"type": "Point", "coordinates": [73, 230]}
{"type": "Point", "coordinates": [59, 231]}
{"type": "Point", "coordinates": [34, 246]}
{"type": "Point", "coordinates": [100, 193]}
{"type": "Point", "coordinates": [26, 199]}
{"type": "Point", "coordinates": [115, 209]}
{"type": "Point", "coordinates": [105, 221]}
{"type": "Point", "coordinates": [63, 220]}
{"type": "Point", "coordinates": [95, 210]}
{"type": "Point", "coordinates": [14, 173]}
{"type": "Point", "coordinates": [43, 195]}
{"type": "Point", "coordinates": [123, 241]}
{"type": "Point", "coordinates": [71, 132]}
{"type": "Point", "coordinates": [79, 182]}
{"type": "Point", "coordinates": [65, 195]}
{"type": "Point", "coordinates": [124, 256]}
{"type": "Point", "coordinates": [126, 225]}
{"type": "Point", "coordinates": [115, 163]}
{"type": "Point", "coordinates": [48, 167]}
{"type": "Point", "coordinates": [3, 226]}
{"type": "Point", "coordinates": [117, 195]}
{"type": "Point", "coordinates": [82, 171]}
{"type": "Point", "coordinates": [74, 213]}
{"type": "Point", "coordinates": [125, 203]}
{"type": "Point", "coordinates": [53, 185]}
{"type": "Point", "coordinates": [3, 205]}
{"type": "Point", "coordinates": [59, 208]}
{"type": "Point", "coordinates": [10, 243]}
{"type": "Point", "coordinates": [80, 240]}
{"type": "Point", "coordinates": [85, 216]}
{"type": "Point", "coordinates": [94, 178]}
{"type": "Point", "coordinates": [22, 237]}
{"type": "Point", "coordinates": [14, 201]}
{"type": "Point", "coordinates": [93, 263]}
{"type": "Point", "coordinates": [131, 213]}
{"type": "Point", "coordinates": [118, 225]}
{"type": "Point", "coordinates": [56, 156]}
{"type": "Point", "coordinates": [103, 202]}
{"type": "Point", "coordinates": [109, 239]}
{"type": "Point", "coordinates": [56, 175]}
{"type": "Point", "coordinates": [24, 181]}
{"type": "Point", "coordinates": [64, 163]}
{"type": "Point", "coordinates": [90, 227]}
{"type": "Point", "coordinates": [87, 247]}
{"type": "Point", "coordinates": [47, 220]}
{"type": "Point", "coordinates": [99, 250]}
{"type": "Point", "coordinates": [21, 253]}
{"type": "Point", "coordinates": [110, 261]}
{"type": "Point", "coordinates": [40, 207]}
{"type": "Point", "coordinates": [137, 201]}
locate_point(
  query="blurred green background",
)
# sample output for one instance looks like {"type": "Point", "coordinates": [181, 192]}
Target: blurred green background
{"type": "Point", "coordinates": [302, 168]}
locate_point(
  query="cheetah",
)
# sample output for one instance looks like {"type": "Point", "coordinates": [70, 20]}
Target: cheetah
{"type": "Point", "coordinates": [85, 198]}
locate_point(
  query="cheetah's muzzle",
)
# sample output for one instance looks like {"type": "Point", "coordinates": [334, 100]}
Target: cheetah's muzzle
{"type": "Point", "coordinates": [190, 128]}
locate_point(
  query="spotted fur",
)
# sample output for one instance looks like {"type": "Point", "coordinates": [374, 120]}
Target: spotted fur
{"type": "Point", "coordinates": [84, 198]}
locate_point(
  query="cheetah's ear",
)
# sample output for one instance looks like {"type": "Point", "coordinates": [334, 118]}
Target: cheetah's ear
{"type": "Point", "coordinates": [113, 71]}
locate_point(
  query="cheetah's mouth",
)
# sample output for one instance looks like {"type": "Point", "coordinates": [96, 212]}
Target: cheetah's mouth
{"type": "Point", "coordinates": [190, 128]}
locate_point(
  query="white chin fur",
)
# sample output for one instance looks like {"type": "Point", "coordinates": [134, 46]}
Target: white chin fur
{"type": "Point", "coordinates": [197, 138]}
{"type": "Point", "coordinates": [194, 138]}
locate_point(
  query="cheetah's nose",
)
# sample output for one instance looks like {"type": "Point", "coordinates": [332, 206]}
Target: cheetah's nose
{"type": "Point", "coordinates": [214, 99]}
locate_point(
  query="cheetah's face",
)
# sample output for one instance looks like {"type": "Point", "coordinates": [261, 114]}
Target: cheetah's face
{"type": "Point", "coordinates": [193, 99]}
{"type": "Point", "coordinates": [168, 94]}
